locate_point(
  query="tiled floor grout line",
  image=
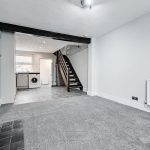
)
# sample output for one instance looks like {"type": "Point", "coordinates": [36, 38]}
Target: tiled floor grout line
{"type": "Point", "coordinates": [12, 132]}
{"type": "Point", "coordinates": [11, 136]}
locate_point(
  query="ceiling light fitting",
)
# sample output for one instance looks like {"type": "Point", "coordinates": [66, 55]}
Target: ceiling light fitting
{"type": "Point", "coordinates": [86, 3]}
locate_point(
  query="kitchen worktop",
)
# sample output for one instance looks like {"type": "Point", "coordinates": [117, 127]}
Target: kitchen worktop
{"type": "Point", "coordinates": [27, 73]}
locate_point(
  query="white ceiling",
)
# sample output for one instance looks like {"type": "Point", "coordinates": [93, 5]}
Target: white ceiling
{"type": "Point", "coordinates": [25, 42]}
{"type": "Point", "coordinates": [65, 16]}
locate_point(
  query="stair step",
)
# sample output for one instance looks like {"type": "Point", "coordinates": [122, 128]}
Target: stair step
{"type": "Point", "coordinates": [75, 86]}
{"type": "Point", "coordinates": [71, 72]}
{"type": "Point", "coordinates": [73, 77]}
{"type": "Point", "coordinates": [74, 80]}
{"type": "Point", "coordinates": [74, 83]}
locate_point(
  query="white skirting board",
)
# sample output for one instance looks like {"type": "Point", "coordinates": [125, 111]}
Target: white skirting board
{"type": "Point", "coordinates": [0, 102]}
{"type": "Point", "coordinates": [123, 101]}
{"type": "Point", "coordinates": [91, 93]}
{"type": "Point", "coordinates": [7, 101]}
{"type": "Point", "coordinates": [148, 92]}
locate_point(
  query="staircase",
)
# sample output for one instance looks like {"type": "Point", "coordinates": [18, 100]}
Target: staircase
{"type": "Point", "coordinates": [68, 73]}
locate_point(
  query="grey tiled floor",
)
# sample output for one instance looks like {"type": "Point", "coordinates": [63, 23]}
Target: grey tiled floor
{"type": "Point", "coordinates": [44, 94]}
{"type": "Point", "coordinates": [80, 122]}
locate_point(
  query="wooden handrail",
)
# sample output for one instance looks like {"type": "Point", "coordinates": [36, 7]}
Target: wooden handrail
{"type": "Point", "coordinates": [63, 67]}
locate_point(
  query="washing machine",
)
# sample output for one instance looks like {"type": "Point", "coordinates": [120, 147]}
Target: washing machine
{"type": "Point", "coordinates": [34, 80]}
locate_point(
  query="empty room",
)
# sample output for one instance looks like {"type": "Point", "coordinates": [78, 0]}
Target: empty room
{"type": "Point", "coordinates": [75, 75]}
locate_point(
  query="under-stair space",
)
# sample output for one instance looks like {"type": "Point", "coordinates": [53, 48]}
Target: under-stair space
{"type": "Point", "coordinates": [68, 73]}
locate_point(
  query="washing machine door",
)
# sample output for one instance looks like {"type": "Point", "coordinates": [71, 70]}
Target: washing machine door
{"type": "Point", "coordinates": [34, 80]}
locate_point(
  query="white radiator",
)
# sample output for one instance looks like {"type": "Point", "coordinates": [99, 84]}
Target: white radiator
{"type": "Point", "coordinates": [148, 92]}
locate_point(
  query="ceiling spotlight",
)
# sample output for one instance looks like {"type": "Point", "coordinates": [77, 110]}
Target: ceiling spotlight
{"type": "Point", "coordinates": [86, 3]}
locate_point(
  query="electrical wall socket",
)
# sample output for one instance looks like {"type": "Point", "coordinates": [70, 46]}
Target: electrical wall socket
{"type": "Point", "coordinates": [134, 98]}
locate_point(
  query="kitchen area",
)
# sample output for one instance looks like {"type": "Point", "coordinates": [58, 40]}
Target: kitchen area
{"type": "Point", "coordinates": [30, 75]}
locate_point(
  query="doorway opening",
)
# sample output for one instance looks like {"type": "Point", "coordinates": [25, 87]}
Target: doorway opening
{"type": "Point", "coordinates": [39, 76]}
{"type": "Point", "coordinates": [46, 72]}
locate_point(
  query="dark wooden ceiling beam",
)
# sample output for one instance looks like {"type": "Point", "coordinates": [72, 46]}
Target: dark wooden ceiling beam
{"type": "Point", "coordinates": [58, 36]}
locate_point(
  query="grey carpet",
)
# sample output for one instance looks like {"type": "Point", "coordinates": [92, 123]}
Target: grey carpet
{"type": "Point", "coordinates": [80, 123]}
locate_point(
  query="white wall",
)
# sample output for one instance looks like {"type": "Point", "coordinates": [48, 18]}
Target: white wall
{"type": "Point", "coordinates": [91, 69]}
{"type": "Point", "coordinates": [79, 60]}
{"type": "Point", "coordinates": [36, 61]}
{"type": "Point", "coordinates": [7, 73]}
{"type": "Point", "coordinates": [0, 69]}
{"type": "Point", "coordinates": [122, 63]}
